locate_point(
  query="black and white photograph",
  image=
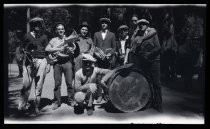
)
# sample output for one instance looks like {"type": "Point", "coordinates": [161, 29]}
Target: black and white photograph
{"type": "Point", "coordinates": [104, 63]}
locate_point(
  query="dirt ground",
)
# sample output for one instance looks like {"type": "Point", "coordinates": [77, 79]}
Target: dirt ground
{"type": "Point", "coordinates": [179, 106]}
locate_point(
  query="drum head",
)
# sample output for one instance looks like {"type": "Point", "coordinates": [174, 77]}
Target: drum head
{"type": "Point", "coordinates": [129, 91]}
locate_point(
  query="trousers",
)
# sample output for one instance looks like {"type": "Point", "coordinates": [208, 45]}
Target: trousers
{"type": "Point", "coordinates": [67, 69]}
{"type": "Point", "coordinates": [37, 73]}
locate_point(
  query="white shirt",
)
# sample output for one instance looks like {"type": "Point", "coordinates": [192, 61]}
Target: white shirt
{"type": "Point", "coordinates": [104, 34]}
{"type": "Point", "coordinates": [33, 34]}
{"type": "Point", "coordinates": [123, 45]}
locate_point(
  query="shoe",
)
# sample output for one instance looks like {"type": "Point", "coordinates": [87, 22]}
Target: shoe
{"type": "Point", "coordinates": [56, 106]}
{"type": "Point", "coordinates": [89, 111]}
{"type": "Point", "coordinates": [79, 109]}
{"type": "Point", "coordinates": [37, 111]}
{"type": "Point", "coordinates": [72, 103]}
{"type": "Point", "coordinates": [99, 99]}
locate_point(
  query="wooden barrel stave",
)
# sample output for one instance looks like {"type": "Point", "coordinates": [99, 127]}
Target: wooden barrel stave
{"type": "Point", "coordinates": [129, 89]}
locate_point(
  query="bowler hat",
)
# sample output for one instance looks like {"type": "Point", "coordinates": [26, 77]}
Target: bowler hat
{"type": "Point", "coordinates": [107, 20]}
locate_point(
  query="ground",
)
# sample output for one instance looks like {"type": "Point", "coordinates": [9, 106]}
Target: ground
{"type": "Point", "coordinates": [179, 106]}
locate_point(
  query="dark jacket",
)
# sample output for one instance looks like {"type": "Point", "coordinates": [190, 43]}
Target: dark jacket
{"type": "Point", "coordinates": [36, 44]}
{"type": "Point", "coordinates": [151, 45]}
{"type": "Point", "coordinates": [107, 43]}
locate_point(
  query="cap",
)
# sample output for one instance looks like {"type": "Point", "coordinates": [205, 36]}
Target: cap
{"type": "Point", "coordinates": [122, 27]}
{"type": "Point", "coordinates": [84, 23]}
{"type": "Point", "coordinates": [142, 21]}
{"type": "Point", "coordinates": [88, 57]}
{"type": "Point", "coordinates": [105, 19]}
{"type": "Point", "coordinates": [36, 19]}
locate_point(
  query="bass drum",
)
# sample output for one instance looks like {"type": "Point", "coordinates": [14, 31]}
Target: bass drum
{"type": "Point", "coordinates": [129, 88]}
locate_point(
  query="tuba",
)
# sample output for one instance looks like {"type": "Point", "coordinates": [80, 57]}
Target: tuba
{"type": "Point", "coordinates": [69, 47]}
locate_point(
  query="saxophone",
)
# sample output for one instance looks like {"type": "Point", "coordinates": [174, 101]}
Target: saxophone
{"type": "Point", "coordinates": [69, 47]}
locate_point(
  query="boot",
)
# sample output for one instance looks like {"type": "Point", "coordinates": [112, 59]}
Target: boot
{"type": "Point", "coordinates": [90, 110]}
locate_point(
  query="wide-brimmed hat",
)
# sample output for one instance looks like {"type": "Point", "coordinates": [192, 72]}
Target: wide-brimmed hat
{"type": "Point", "coordinates": [122, 27]}
{"type": "Point", "coordinates": [107, 20]}
{"type": "Point", "coordinates": [84, 23]}
{"type": "Point", "coordinates": [142, 21]}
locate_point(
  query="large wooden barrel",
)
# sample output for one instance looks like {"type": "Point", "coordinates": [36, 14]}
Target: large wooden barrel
{"type": "Point", "coordinates": [129, 89]}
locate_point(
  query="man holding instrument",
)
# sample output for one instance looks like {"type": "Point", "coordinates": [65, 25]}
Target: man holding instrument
{"type": "Point", "coordinates": [105, 45]}
{"type": "Point", "coordinates": [36, 63]}
{"type": "Point", "coordinates": [64, 63]}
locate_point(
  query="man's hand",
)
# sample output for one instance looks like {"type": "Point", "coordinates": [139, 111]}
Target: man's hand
{"type": "Point", "coordinates": [70, 50]}
{"type": "Point", "coordinates": [92, 87]}
{"type": "Point", "coordinates": [108, 55]}
{"type": "Point", "coordinates": [48, 68]}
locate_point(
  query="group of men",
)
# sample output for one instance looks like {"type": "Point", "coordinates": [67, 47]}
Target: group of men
{"type": "Point", "coordinates": [139, 46]}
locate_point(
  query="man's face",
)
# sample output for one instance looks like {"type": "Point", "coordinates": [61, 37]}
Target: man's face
{"type": "Point", "coordinates": [87, 67]}
{"type": "Point", "coordinates": [104, 25]}
{"type": "Point", "coordinates": [134, 20]}
{"type": "Point", "coordinates": [84, 31]}
{"type": "Point", "coordinates": [142, 27]}
{"type": "Point", "coordinates": [37, 27]}
{"type": "Point", "coordinates": [60, 30]}
{"type": "Point", "coordinates": [124, 34]}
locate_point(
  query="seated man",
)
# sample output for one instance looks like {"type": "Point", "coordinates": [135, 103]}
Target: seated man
{"type": "Point", "coordinates": [86, 83]}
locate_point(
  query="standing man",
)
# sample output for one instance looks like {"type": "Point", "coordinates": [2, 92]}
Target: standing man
{"type": "Point", "coordinates": [105, 40]}
{"type": "Point", "coordinates": [19, 53]}
{"type": "Point", "coordinates": [85, 43]}
{"type": "Point", "coordinates": [19, 59]}
{"type": "Point", "coordinates": [86, 83]}
{"type": "Point", "coordinates": [147, 57]}
{"type": "Point", "coordinates": [63, 64]}
{"type": "Point", "coordinates": [36, 63]}
{"type": "Point", "coordinates": [123, 45]}
{"type": "Point", "coordinates": [169, 48]}
{"type": "Point", "coordinates": [133, 28]}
